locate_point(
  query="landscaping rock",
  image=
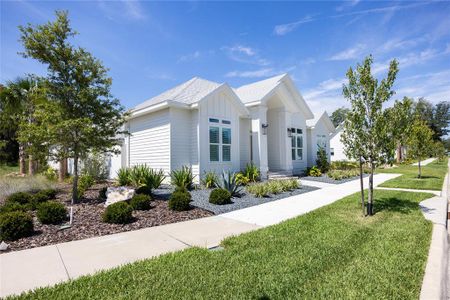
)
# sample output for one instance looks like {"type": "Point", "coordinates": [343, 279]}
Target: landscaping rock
{"type": "Point", "coordinates": [118, 194]}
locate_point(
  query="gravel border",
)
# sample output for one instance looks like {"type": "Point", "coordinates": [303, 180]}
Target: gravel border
{"type": "Point", "coordinates": [326, 179]}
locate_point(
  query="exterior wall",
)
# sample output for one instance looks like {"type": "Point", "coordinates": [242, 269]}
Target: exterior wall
{"type": "Point", "coordinates": [338, 147]}
{"type": "Point", "coordinates": [298, 121]}
{"type": "Point", "coordinates": [274, 139]}
{"type": "Point", "coordinates": [195, 148]}
{"type": "Point", "coordinates": [149, 142]}
{"type": "Point", "coordinates": [258, 115]}
{"type": "Point", "coordinates": [180, 138]}
{"type": "Point", "coordinates": [244, 141]}
{"type": "Point", "coordinates": [218, 105]}
{"type": "Point", "coordinates": [319, 129]}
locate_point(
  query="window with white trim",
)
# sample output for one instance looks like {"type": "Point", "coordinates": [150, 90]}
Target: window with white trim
{"type": "Point", "coordinates": [322, 141]}
{"type": "Point", "coordinates": [219, 140]}
{"type": "Point", "coordinates": [297, 144]}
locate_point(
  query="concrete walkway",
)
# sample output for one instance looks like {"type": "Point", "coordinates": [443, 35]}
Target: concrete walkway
{"type": "Point", "coordinates": [316, 183]}
{"type": "Point", "coordinates": [437, 193]}
{"type": "Point", "coordinates": [425, 162]}
{"type": "Point", "coordinates": [44, 266]}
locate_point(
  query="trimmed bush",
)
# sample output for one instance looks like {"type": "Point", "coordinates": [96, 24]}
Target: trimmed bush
{"type": "Point", "coordinates": [118, 213]}
{"type": "Point", "coordinates": [51, 212]}
{"type": "Point", "coordinates": [12, 206]}
{"type": "Point", "coordinates": [15, 225]}
{"type": "Point", "coordinates": [180, 199]}
{"type": "Point", "coordinates": [220, 197]}
{"type": "Point", "coordinates": [102, 193]}
{"type": "Point", "coordinates": [141, 202]}
{"type": "Point", "coordinates": [41, 197]}
{"type": "Point", "coordinates": [144, 190]}
{"type": "Point", "coordinates": [20, 197]}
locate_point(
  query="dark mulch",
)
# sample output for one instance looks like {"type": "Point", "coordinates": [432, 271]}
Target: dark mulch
{"type": "Point", "coordinates": [326, 179]}
{"type": "Point", "coordinates": [88, 220]}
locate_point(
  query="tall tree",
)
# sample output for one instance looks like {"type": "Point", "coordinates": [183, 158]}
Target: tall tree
{"type": "Point", "coordinates": [437, 117]}
{"type": "Point", "coordinates": [87, 116]}
{"type": "Point", "coordinates": [367, 123]}
{"type": "Point", "coordinates": [420, 142]}
{"type": "Point", "coordinates": [338, 116]}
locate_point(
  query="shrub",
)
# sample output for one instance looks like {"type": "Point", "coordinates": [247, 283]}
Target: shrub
{"type": "Point", "coordinates": [118, 213]}
{"type": "Point", "coordinates": [322, 160]}
{"type": "Point", "coordinates": [230, 184]}
{"type": "Point", "coordinates": [102, 193]}
{"type": "Point", "coordinates": [12, 206]}
{"type": "Point", "coordinates": [293, 184]}
{"type": "Point", "coordinates": [95, 165]}
{"type": "Point", "coordinates": [123, 176]}
{"type": "Point", "coordinates": [342, 174]}
{"type": "Point", "coordinates": [142, 175]}
{"type": "Point", "coordinates": [85, 181]}
{"type": "Point", "coordinates": [144, 190]}
{"type": "Point", "coordinates": [343, 165]}
{"type": "Point", "coordinates": [140, 202]}
{"type": "Point", "coordinates": [137, 175]}
{"type": "Point", "coordinates": [220, 196]}
{"type": "Point", "coordinates": [274, 186]}
{"type": "Point", "coordinates": [314, 172]}
{"type": "Point", "coordinates": [154, 178]}
{"type": "Point", "coordinates": [50, 174]}
{"type": "Point", "coordinates": [183, 178]}
{"type": "Point", "coordinates": [241, 179]}
{"type": "Point", "coordinates": [20, 197]}
{"type": "Point", "coordinates": [210, 180]}
{"type": "Point", "coordinates": [51, 212]}
{"type": "Point", "coordinates": [11, 185]}
{"type": "Point", "coordinates": [252, 172]}
{"type": "Point", "coordinates": [180, 199]}
{"type": "Point", "coordinates": [15, 225]}
{"type": "Point", "coordinates": [259, 189]}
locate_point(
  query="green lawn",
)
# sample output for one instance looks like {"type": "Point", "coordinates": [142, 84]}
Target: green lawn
{"type": "Point", "coordinates": [332, 252]}
{"type": "Point", "coordinates": [432, 176]}
{"type": "Point", "coordinates": [4, 169]}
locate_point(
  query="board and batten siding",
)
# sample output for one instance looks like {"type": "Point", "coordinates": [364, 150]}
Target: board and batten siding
{"type": "Point", "coordinates": [244, 141]}
{"type": "Point", "coordinates": [149, 142]}
{"type": "Point", "coordinates": [319, 129]}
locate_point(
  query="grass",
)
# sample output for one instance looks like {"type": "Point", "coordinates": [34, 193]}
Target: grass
{"type": "Point", "coordinates": [432, 176]}
{"type": "Point", "coordinates": [5, 169]}
{"type": "Point", "coordinates": [332, 252]}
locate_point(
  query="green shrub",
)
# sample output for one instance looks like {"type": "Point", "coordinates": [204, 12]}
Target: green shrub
{"type": "Point", "coordinates": [102, 193]}
{"type": "Point", "coordinates": [154, 178]}
{"type": "Point", "coordinates": [118, 213]}
{"type": "Point", "coordinates": [220, 196]}
{"type": "Point", "coordinates": [95, 165]}
{"type": "Point", "coordinates": [241, 179]}
{"type": "Point", "coordinates": [42, 196]}
{"type": "Point", "coordinates": [258, 189]}
{"type": "Point", "coordinates": [183, 178]}
{"type": "Point", "coordinates": [230, 183]}
{"type": "Point", "coordinates": [123, 176]}
{"type": "Point", "coordinates": [343, 165]}
{"type": "Point", "coordinates": [15, 225]}
{"type": "Point", "coordinates": [12, 206]}
{"type": "Point", "coordinates": [85, 181]}
{"type": "Point", "coordinates": [293, 184]}
{"type": "Point", "coordinates": [50, 174]}
{"type": "Point", "coordinates": [140, 202]}
{"type": "Point", "coordinates": [274, 186]}
{"type": "Point", "coordinates": [322, 160]}
{"type": "Point", "coordinates": [51, 212]}
{"type": "Point", "coordinates": [251, 172]}
{"type": "Point", "coordinates": [138, 173]}
{"type": "Point", "coordinates": [342, 174]}
{"type": "Point", "coordinates": [180, 199]}
{"type": "Point", "coordinates": [210, 180]}
{"type": "Point", "coordinates": [20, 197]}
{"type": "Point", "coordinates": [144, 190]}
{"type": "Point", "coordinates": [142, 175]}
{"type": "Point", "coordinates": [314, 172]}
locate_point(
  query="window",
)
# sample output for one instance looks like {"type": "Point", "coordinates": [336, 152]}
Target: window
{"type": "Point", "coordinates": [297, 144]}
{"type": "Point", "coordinates": [322, 141]}
{"type": "Point", "coordinates": [332, 151]}
{"type": "Point", "coordinates": [219, 141]}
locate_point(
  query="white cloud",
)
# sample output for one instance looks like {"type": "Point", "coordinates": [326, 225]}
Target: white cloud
{"type": "Point", "coordinates": [190, 57]}
{"type": "Point", "coordinates": [283, 29]}
{"type": "Point", "coordinates": [243, 49]}
{"type": "Point", "coordinates": [264, 72]}
{"type": "Point", "coordinates": [326, 88]}
{"type": "Point", "coordinates": [134, 10]}
{"type": "Point", "coordinates": [350, 53]}
{"type": "Point", "coordinates": [245, 54]}
{"type": "Point", "coordinates": [128, 9]}
{"type": "Point", "coordinates": [347, 4]}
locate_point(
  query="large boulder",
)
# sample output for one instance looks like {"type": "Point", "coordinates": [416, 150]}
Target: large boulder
{"type": "Point", "coordinates": [117, 194]}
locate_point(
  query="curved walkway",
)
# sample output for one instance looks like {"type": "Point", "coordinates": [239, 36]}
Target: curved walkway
{"type": "Point", "coordinates": [425, 162]}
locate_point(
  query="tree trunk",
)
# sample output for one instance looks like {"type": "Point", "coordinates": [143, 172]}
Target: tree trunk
{"type": "Point", "coordinates": [362, 186]}
{"type": "Point", "coordinates": [75, 180]}
{"type": "Point", "coordinates": [399, 153]}
{"type": "Point", "coordinates": [61, 172]}
{"type": "Point", "coordinates": [420, 170]}
{"type": "Point", "coordinates": [22, 162]}
{"type": "Point", "coordinates": [370, 198]}
{"type": "Point", "coordinates": [31, 165]}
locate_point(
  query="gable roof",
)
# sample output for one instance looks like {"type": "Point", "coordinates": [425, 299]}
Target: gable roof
{"type": "Point", "coordinates": [257, 90]}
{"type": "Point", "coordinates": [322, 118]}
{"type": "Point", "coordinates": [189, 92]}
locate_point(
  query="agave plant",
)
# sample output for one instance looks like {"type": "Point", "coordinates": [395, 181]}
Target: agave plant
{"type": "Point", "coordinates": [183, 178]}
{"type": "Point", "coordinates": [230, 183]}
{"type": "Point", "coordinates": [123, 176]}
{"type": "Point", "coordinates": [154, 178]}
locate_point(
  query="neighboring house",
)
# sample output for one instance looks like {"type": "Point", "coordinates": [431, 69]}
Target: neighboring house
{"type": "Point", "coordinates": [319, 131]}
{"type": "Point", "coordinates": [336, 145]}
{"type": "Point", "coordinates": [213, 127]}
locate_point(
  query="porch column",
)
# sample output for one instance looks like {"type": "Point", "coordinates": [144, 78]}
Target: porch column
{"type": "Point", "coordinates": [259, 117]}
{"type": "Point", "coordinates": [285, 120]}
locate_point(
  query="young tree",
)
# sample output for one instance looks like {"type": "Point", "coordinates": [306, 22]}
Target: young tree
{"type": "Point", "coordinates": [86, 116]}
{"type": "Point", "coordinates": [420, 142]}
{"type": "Point", "coordinates": [437, 117]}
{"type": "Point", "coordinates": [338, 116]}
{"type": "Point", "coordinates": [322, 160]}
{"type": "Point", "coordinates": [367, 124]}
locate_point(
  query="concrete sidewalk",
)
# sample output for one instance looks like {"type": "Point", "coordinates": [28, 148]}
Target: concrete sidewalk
{"type": "Point", "coordinates": [44, 266]}
{"type": "Point", "coordinates": [425, 162]}
{"type": "Point", "coordinates": [437, 193]}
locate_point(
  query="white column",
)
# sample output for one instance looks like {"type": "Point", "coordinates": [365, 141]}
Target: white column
{"type": "Point", "coordinates": [259, 117]}
{"type": "Point", "coordinates": [285, 121]}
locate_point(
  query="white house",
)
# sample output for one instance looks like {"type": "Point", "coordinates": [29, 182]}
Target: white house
{"type": "Point", "coordinates": [318, 133]}
{"type": "Point", "coordinates": [212, 127]}
{"type": "Point", "coordinates": [336, 146]}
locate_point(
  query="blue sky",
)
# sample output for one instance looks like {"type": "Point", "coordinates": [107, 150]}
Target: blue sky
{"type": "Point", "coordinates": [152, 46]}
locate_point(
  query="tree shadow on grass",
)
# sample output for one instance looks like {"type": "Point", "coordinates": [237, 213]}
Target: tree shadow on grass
{"type": "Point", "coordinates": [395, 205]}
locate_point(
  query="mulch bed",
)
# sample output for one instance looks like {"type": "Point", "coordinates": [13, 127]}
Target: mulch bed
{"type": "Point", "coordinates": [326, 179]}
{"type": "Point", "coordinates": [88, 220]}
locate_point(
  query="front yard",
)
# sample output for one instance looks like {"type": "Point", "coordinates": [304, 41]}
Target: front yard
{"type": "Point", "coordinates": [432, 176]}
{"type": "Point", "coordinates": [332, 252]}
